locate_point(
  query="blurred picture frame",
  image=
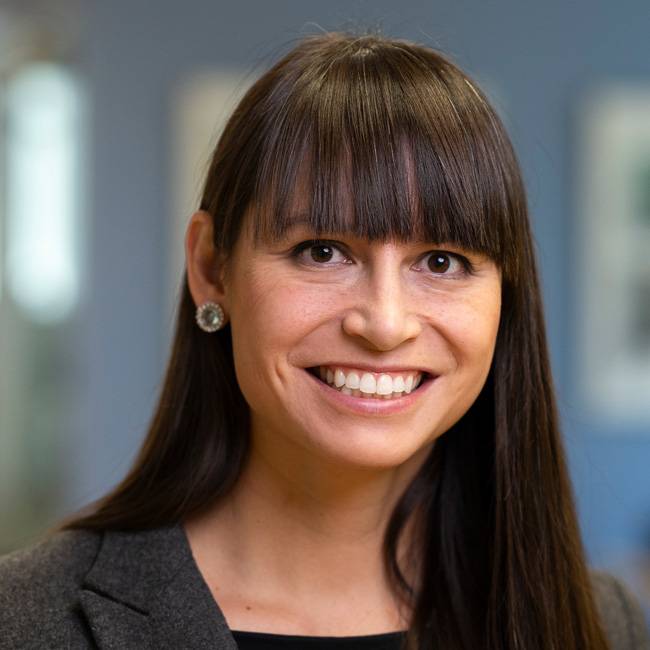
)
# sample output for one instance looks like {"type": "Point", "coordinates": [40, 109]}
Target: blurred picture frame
{"type": "Point", "coordinates": [613, 249]}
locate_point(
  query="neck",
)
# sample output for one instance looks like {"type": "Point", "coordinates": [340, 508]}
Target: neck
{"type": "Point", "coordinates": [294, 522]}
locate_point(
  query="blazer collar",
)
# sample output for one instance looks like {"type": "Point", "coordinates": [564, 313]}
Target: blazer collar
{"type": "Point", "coordinates": [145, 590]}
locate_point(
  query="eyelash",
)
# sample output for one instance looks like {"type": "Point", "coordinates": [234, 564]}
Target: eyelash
{"type": "Point", "coordinates": [468, 267]}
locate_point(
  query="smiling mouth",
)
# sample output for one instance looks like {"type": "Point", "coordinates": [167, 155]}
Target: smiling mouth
{"type": "Point", "coordinates": [374, 390]}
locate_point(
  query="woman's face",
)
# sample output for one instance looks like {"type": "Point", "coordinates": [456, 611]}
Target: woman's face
{"type": "Point", "coordinates": [375, 316]}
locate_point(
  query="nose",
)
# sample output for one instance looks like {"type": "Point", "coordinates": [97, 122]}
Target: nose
{"type": "Point", "coordinates": [384, 313]}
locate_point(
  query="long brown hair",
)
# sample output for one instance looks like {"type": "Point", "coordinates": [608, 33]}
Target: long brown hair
{"type": "Point", "coordinates": [498, 549]}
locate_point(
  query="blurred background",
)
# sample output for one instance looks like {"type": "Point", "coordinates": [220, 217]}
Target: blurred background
{"type": "Point", "coordinates": [108, 113]}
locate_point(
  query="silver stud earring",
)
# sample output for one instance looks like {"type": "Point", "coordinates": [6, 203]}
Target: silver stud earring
{"type": "Point", "coordinates": [210, 317]}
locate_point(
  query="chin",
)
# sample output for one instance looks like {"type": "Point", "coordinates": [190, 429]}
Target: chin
{"type": "Point", "coordinates": [369, 450]}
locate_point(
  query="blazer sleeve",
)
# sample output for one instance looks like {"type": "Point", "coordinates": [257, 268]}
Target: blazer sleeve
{"type": "Point", "coordinates": [621, 613]}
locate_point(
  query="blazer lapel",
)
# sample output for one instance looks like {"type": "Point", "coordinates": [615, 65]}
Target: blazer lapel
{"type": "Point", "coordinates": [114, 624]}
{"type": "Point", "coordinates": [145, 591]}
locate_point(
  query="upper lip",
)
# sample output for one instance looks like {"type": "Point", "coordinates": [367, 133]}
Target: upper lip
{"type": "Point", "coordinates": [376, 369]}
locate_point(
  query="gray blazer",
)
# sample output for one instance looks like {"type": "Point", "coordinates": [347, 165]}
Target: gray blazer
{"type": "Point", "coordinates": [138, 590]}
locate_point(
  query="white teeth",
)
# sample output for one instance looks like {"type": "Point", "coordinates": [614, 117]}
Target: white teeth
{"type": "Point", "coordinates": [368, 383]}
{"type": "Point", "coordinates": [352, 381]}
{"type": "Point", "coordinates": [384, 385]}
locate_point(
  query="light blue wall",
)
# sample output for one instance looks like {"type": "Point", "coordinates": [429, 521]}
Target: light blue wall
{"type": "Point", "coordinates": [537, 57]}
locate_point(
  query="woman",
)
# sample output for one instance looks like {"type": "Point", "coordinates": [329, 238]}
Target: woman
{"type": "Point", "coordinates": [357, 435]}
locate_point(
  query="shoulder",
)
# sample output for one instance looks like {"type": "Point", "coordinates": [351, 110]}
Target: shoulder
{"type": "Point", "coordinates": [620, 612]}
{"type": "Point", "coordinates": [39, 588]}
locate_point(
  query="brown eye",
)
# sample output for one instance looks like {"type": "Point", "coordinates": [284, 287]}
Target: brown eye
{"type": "Point", "coordinates": [448, 265]}
{"type": "Point", "coordinates": [439, 262]}
{"type": "Point", "coordinates": [316, 253]}
{"type": "Point", "coordinates": [321, 253]}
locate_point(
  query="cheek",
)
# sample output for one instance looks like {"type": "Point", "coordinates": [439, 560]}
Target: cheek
{"type": "Point", "coordinates": [271, 313]}
{"type": "Point", "coordinates": [270, 317]}
{"type": "Point", "coordinates": [471, 337]}
{"type": "Point", "coordinates": [472, 334]}
{"type": "Point", "coordinates": [482, 333]}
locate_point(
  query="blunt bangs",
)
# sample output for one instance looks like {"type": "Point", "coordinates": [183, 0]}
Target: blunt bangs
{"type": "Point", "coordinates": [384, 141]}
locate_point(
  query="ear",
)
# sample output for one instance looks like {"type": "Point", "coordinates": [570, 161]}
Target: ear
{"type": "Point", "coordinates": [205, 270]}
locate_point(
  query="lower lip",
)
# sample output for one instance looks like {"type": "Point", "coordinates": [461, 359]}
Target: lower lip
{"type": "Point", "coordinates": [371, 405]}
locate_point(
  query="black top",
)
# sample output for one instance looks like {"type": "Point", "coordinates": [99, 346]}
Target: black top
{"type": "Point", "coordinates": [264, 641]}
